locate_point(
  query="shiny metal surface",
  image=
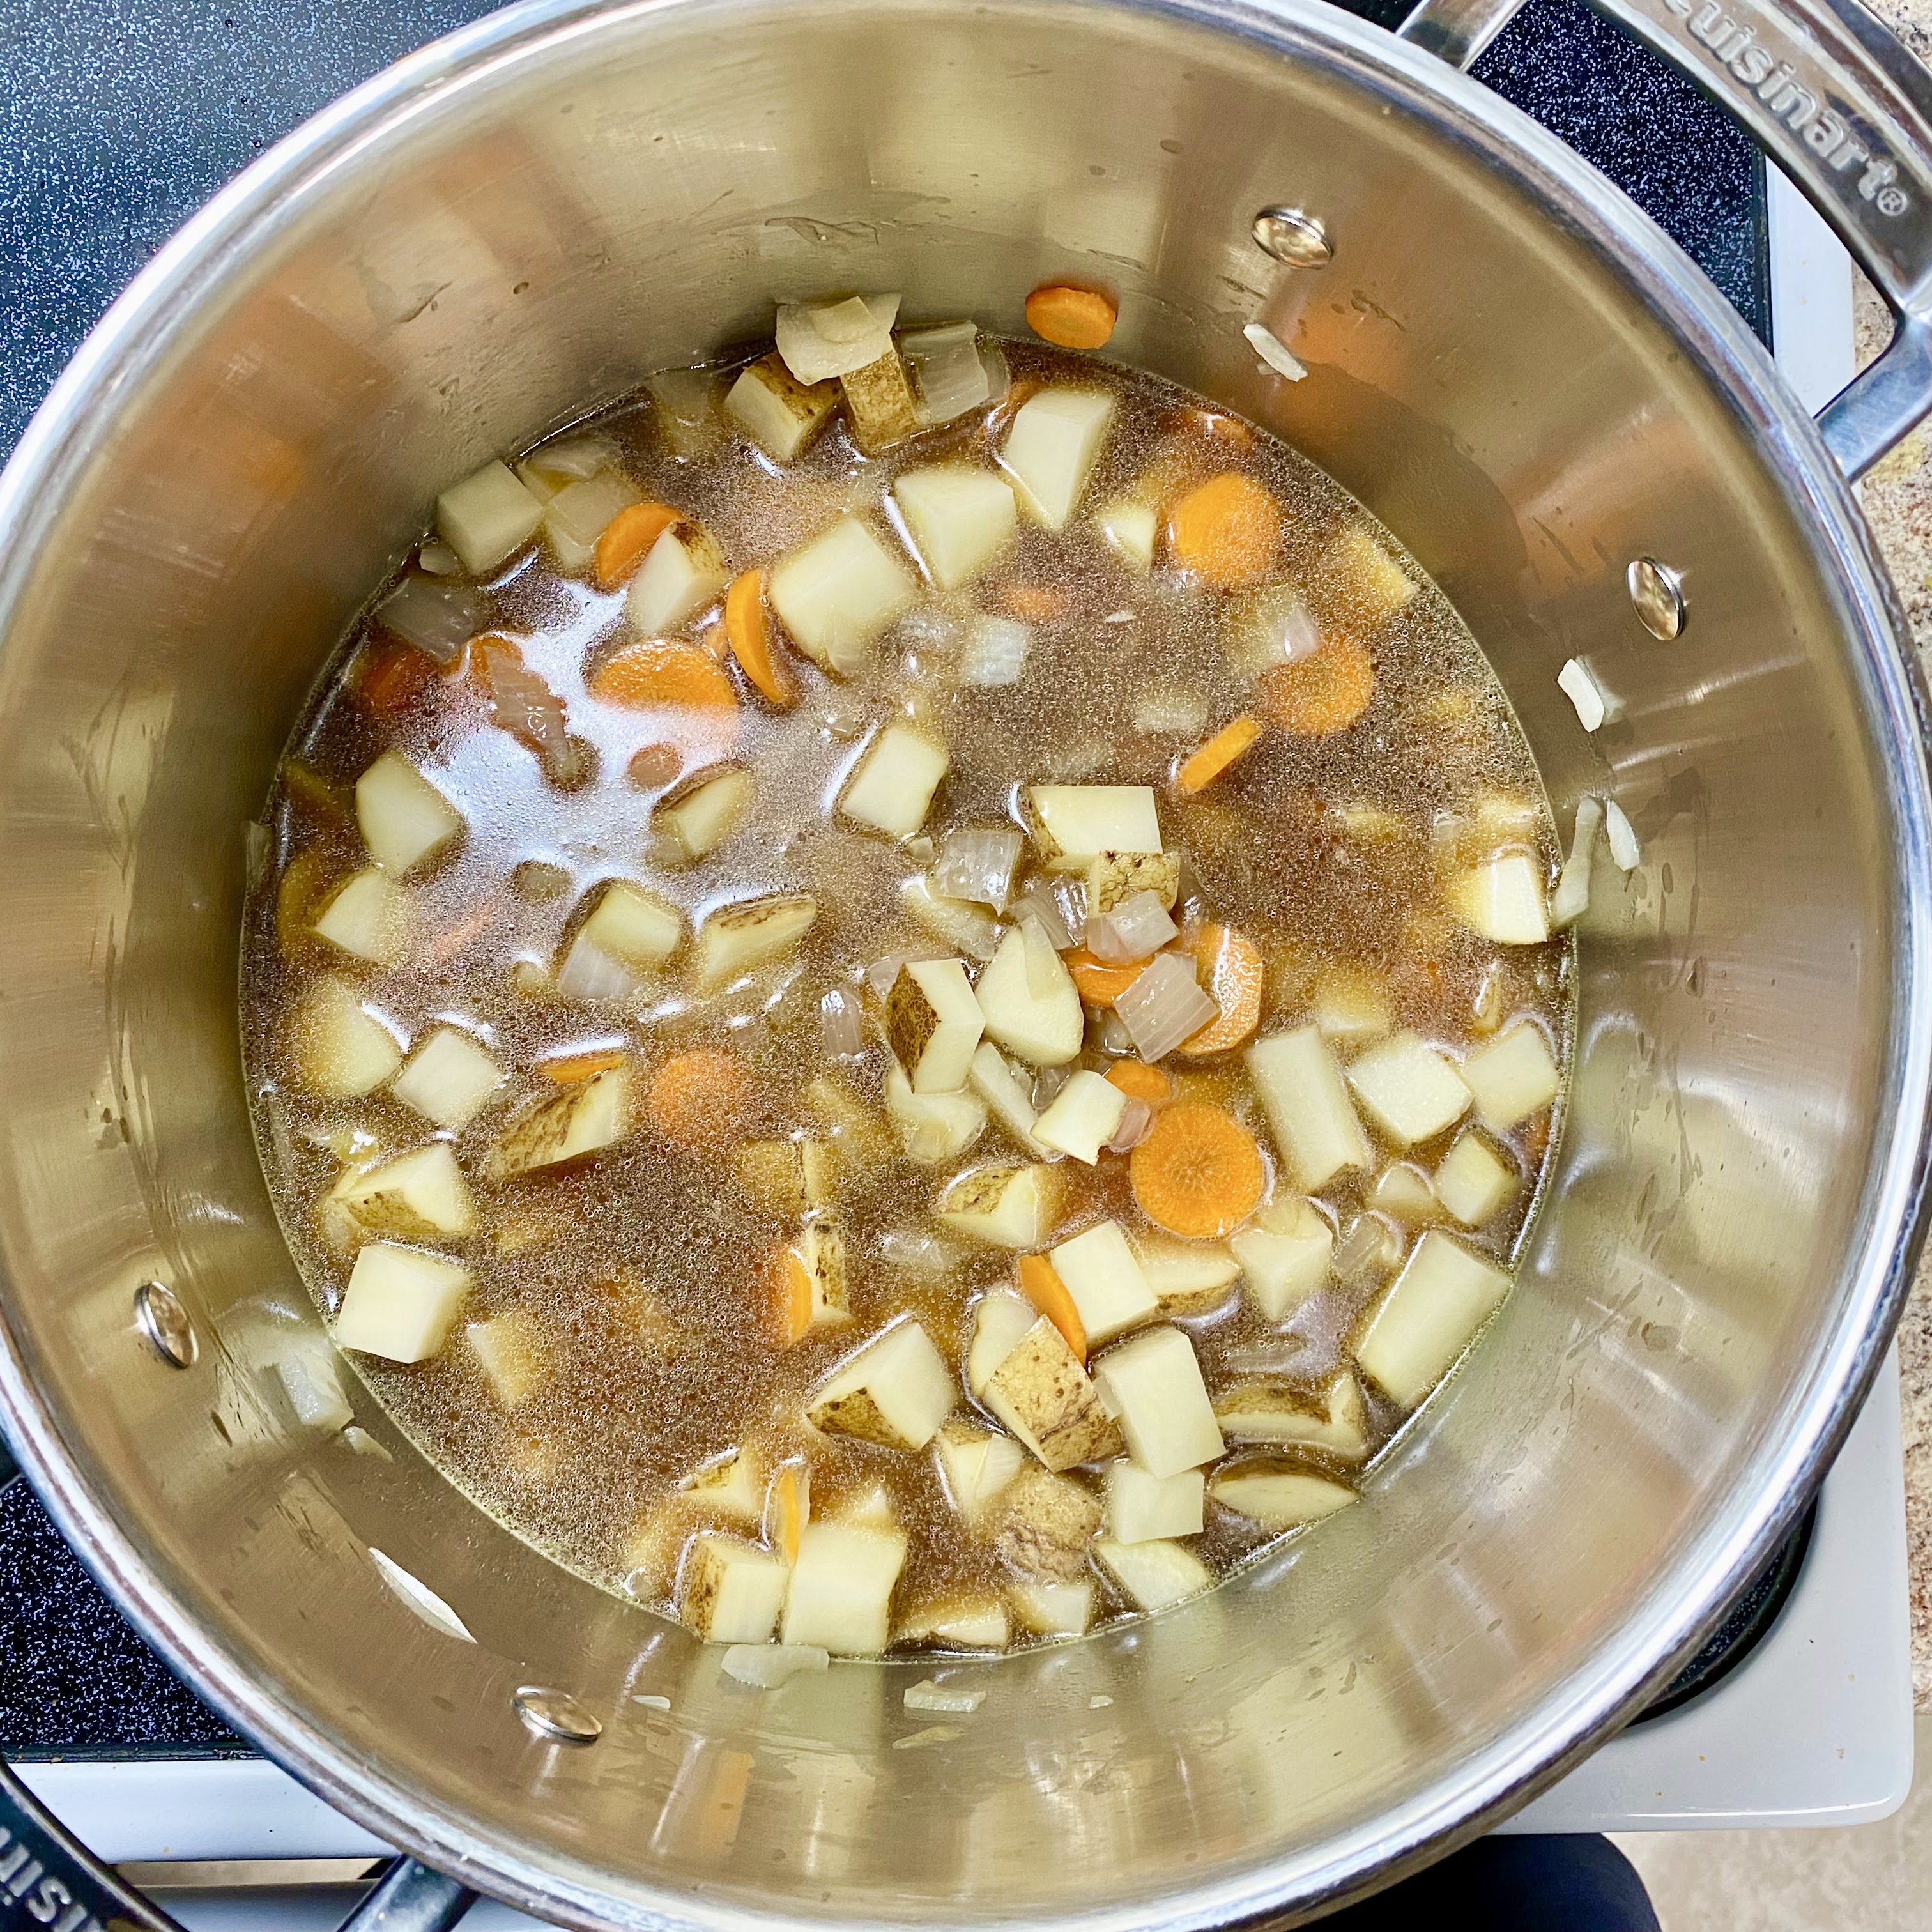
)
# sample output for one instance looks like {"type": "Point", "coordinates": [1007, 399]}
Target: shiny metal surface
{"type": "Point", "coordinates": [160, 1316]}
{"type": "Point", "coordinates": [1292, 235]}
{"type": "Point", "coordinates": [557, 1714]}
{"type": "Point", "coordinates": [1657, 594]}
{"type": "Point", "coordinates": [1507, 364]}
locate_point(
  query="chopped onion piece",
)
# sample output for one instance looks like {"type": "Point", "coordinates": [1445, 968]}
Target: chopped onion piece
{"type": "Point", "coordinates": [1111, 1034]}
{"type": "Point", "coordinates": [589, 973]}
{"type": "Point", "coordinates": [1136, 1120]}
{"type": "Point", "coordinates": [977, 866]}
{"type": "Point", "coordinates": [928, 1695]}
{"type": "Point", "coordinates": [1624, 847]}
{"type": "Point", "coordinates": [1164, 1006]}
{"type": "Point", "coordinates": [574, 458]}
{"type": "Point", "coordinates": [883, 973]}
{"type": "Point", "coordinates": [995, 653]}
{"type": "Point", "coordinates": [1276, 353]}
{"type": "Point", "coordinates": [949, 377]}
{"type": "Point", "coordinates": [1371, 1245]}
{"type": "Point", "coordinates": [438, 558]}
{"type": "Point", "coordinates": [919, 1253]}
{"type": "Point", "coordinates": [766, 1666]}
{"type": "Point", "coordinates": [438, 618]}
{"type": "Point", "coordinates": [1168, 710]}
{"type": "Point", "coordinates": [524, 705]}
{"type": "Point", "coordinates": [1594, 705]}
{"type": "Point", "coordinates": [1047, 1083]}
{"type": "Point", "coordinates": [1571, 899]}
{"type": "Point", "coordinates": [1136, 928]}
{"type": "Point", "coordinates": [1041, 902]}
{"type": "Point", "coordinates": [841, 1030]}
{"type": "Point", "coordinates": [820, 339]}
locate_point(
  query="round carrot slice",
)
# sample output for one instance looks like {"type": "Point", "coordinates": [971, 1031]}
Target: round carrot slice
{"type": "Point", "coordinates": [1139, 1081]}
{"type": "Point", "coordinates": [1071, 318]}
{"type": "Point", "coordinates": [700, 1098]}
{"type": "Point", "coordinates": [1323, 692]}
{"type": "Point", "coordinates": [1041, 1284]}
{"type": "Point", "coordinates": [1226, 531]}
{"type": "Point", "coordinates": [1100, 985]}
{"type": "Point", "coordinates": [1231, 965]}
{"type": "Point", "coordinates": [749, 630]}
{"type": "Point", "coordinates": [627, 541]}
{"type": "Point", "coordinates": [1198, 1172]}
{"type": "Point", "coordinates": [692, 692]}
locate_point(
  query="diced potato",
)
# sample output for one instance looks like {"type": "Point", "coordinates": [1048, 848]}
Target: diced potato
{"type": "Point", "coordinates": [1429, 1314]}
{"type": "Point", "coordinates": [960, 517]}
{"type": "Point", "coordinates": [733, 1484]}
{"type": "Point", "coordinates": [785, 1177]}
{"type": "Point", "coordinates": [933, 1128]}
{"type": "Point", "coordinates": [896, 1391]}
{"type": "Point", "coordinates": [778, 413]}
{"type": "Point", "coordinates": [555, 465]}
{"type": "Point", "coordinates": [816, 1295]}
{"type": "Point", "coordinates": [973, 1623]}
{"type": "Point", "coordinates": [971, 928]}
{"type": "Point", "coordinates": [486, 517]}
{"type": "Point", "coordinates": [1335, 1419]}
{"type": "Point", "coordinates": [933, 1025]}
{"type": "Point", "coordinates": [737, 939]}
{"type": "Point", "coordinates": [836, 595]}
{"type": "Point", "coordinates": [841, 1592]}
{"type": "Point", "coordinates": [1153, 1574]}
{"type": "Point", "coordinates": [857, 1135]}
{"type": "Point", "coordinates": [1044, 1524]}
{"type": "Point", "coordinates": [1010, 1204]}
{"type": "Point", "coordinates": [1187, 1277]}
{"type": "Point", "coordinates": [1153, 1385]}
{"type": "Point", "coordinates": [730, 1591]}
{"type": "Point", "coordinates": [1351, 1008]}
{"type": "Point", "coordinates": [1412, 1092]}
{"type": "Point", "coordinates": [879, 403]}
{"type": "Point", "coordinates": [1404, 1192]}
{"type": "Point", "coordinates": [1041, 1393]}
{"type": "Point", "coordinates": [404, 819]}
{"type": "Point", "coordinates": [1141, 1508]}
{"type": "Point", "coordinates": [400, 1303]}
{"type": "Point", "coordinates": [1031, 1004]}
{"type": "Point", "coordinates": [449, 1078]}
{"type": "Point", "coordinates": [1102, 1273]}
{"type": "Point", "coordinates": [1009, 1099]}
{"type": "Point", "coordinates": [342, 1050]}
{"type": "Point", "coordinates": [1085, 1115]}
{"type": "Point", "coordinates": [576, 515]}
{"type": "Point", "coordinates": [697, 817]}
{"type": "Point", "coordinates": [1308, 1110]}
{"type": "Point", "coordinates": [1354, 570]}
{"type": "Point", "coordinates": [1127, 528]}
{"type": "Point", "coordinates": [579, 1120]}
{"type": "Point", "coordinates": [1114, 877]}
{"type": "Point", "coordinates": [819, 341]}
{"type": "Point", "coordinates": [634, 926]}
{"type": "Point", "coordinates": [892, 788]}
{"type": "Point", "coordinates": [368, 918]}
{"type": "Point", "coordinates": [507, 1351]}
{"type": "Point", "coordinates": [978, 1465]}
{"type": "Point", "coordinates": [685, 413]}
{"type": "Point", "coordinates": [1474, 1181]}
{"type": "Point", "coordinates": [417, 1196]}
{"type": "Point", "coordinates": [1052, 447]}
{"type": "Point", "coordinates": [1502, 899]}
{"type": "Point", "coordinates": [1073, 822]}
{"type": "Point", "coordinates": [1512, 1076]}
{"type": "Point", "coordinates": [1285, 1258]}
{"type": "Point", "coordinates": [1279, 1495]}
{"type": "Point", "coordinates": [1054, 1609]}
{"type": "Point", "coordinates": [684, 571]}
{"type": "Point", "coordinates": [1001, 1321]}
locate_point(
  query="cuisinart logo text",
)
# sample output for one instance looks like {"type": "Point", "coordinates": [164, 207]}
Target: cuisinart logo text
{"type": "Point", "coordinates": [1736, 49]}
{"type": "Point", "coordinates": [31, 1895]}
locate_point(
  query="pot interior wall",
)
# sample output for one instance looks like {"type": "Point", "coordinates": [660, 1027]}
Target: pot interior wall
{"type": "Point", "coordinates": [514, 250]}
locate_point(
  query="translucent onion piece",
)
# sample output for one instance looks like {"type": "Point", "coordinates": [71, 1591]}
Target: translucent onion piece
{"type": "Point", "coordinates": [995, 653]}
{"type": "Point", "coordinates": [574, 456]}
{"type": "Point", "coordinates": [978, 864]}
{"type": "Point", "coordinates": [522, 704]}
{"type": "Point", "coordinates": [1371, 1246]}
{"type": "Point", "coordinates": [1571, 899]}
{"type": "Point", "coordinates": [1136, 1121]}
{"type": "Point", "coordinates": [1136, 928]}
{"type": "Point", "coordinates": [999, 377]}
{"type": "Point", "coordinates": [948, 378]}
{"type": "Point", "coordinates": [841, 1030]}
{"type": "Point", "coordinates": [918, 1252]}
{"type": "Point", "coordinates": [1168, 710]}
{"type": "Point", "coordinates": [1046, 1085]}
{"type": "Point", "coordinates": [882, 972]}
{"type": "Point", "coordinates": [764, 1666]}
{"type": "Point", "coordinates": [1625, 849]}
{"type": "Point", "coordinates": [820, 339]}
{"type": "Point", "coordinates": [1274, 1357]}
{"type": "Point", "coordinates": [438, 559]}
{"type": "Point", "coordinates": [1164, 1006]}
{"type": "Point", "coordinates": [1040, 902]}
{"type": "Point", "coordinates": [589, 973]}
{"type": "Point", "coordinates": [438, 618]}
{"type": "Point", "coordinates": [1111, 1034]}
{"type": "Point", "coordinates": [1276, 353]}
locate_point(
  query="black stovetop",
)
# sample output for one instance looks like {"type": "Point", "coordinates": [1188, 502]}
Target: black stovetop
{"type": "Point", "coordinates": [119, 117]}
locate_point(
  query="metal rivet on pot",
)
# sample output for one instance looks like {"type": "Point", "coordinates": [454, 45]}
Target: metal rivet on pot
{"type": "Point", "coordinates": [160, 1316]}
{"type": "Point", "coordinates": [557, 1714]}
{"type": "Point", "coordinates": [1291, 236]}
{"type": "Point", "coordinates": [1658, 592]}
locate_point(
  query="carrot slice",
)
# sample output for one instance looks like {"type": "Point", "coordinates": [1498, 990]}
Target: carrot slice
{"type": "Point", "coordinates": [1198, 1172]}
{"type": "Point", "coordinates": [791, 1508]}
{"type": "Point", "coordinates": [1206, 765]}
{"type": "Point", "coordinates": [700, 1099]}
{"type": "Point", "coordinates": [654, 674]}
{"type": "Point", "coordinates": [790, 1283]}
{"type": "Point", "coordinates": [1037, 603]}
{"type": "Point", "coordinates": [749, 630]}
{"type": "Point", "coordinates": [1230, 964]}
{"type": "Point", "coordinates": [1323, 692]}
{"type": "Point", "coordinates": [393, 680]}
{"type": "Point", "coordinates": [1071, 318]}
{"type": "Point", "coordinates": [566, 1069]}
{"type": "Point", "coordinates": [1227, 531]}
{"type": "Point", "coordinates": [1139, 1081]}
{"type": "Point", "coordinates": [1100, 985]}
{"type": "Point", "coordinates": [627, 541]}
{"type": "Point", "coordinates": [1041, 1284]}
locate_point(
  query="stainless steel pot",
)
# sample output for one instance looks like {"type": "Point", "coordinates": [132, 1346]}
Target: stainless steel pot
{"type": "Point", "coordinates": [1509, 365]}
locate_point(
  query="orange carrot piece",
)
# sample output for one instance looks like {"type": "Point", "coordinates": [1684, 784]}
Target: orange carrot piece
{"type": "Point", "coordinates": [1226, 532]}
{"type": "Point", "coordinates": [791, 1508]}
{"type": "Point", "coordinates": [1139, 1081]}
{"type": "Point", "coordinates": [699, 1098]}
{"type": "Point", "coordinates": [1206, 765]}
{"type": "Point", "coordinates": [627, 541]}
{"type": "Point", "coordinates": [656, 674]}
{"type": "Point", "coordinates": [1041, 1284]}
{"type": "Point", "coordinates": [393, 679]}
{"type": "Point", "coordinates": [1323, 692]}
{"type": "Point", "coordinates": [749, 630]}
{"type": "Point", "coordinates": [1230, 964]}
{"type": "Point", "coordinates": [790, 1283]}
{"type": "Point", "coordinates": [1037, 603]}
{"type": "Point", "coordinates": [1071, 318]}
{"type": "Point", "coordinates": [567, 1069]}
{"type": "Point", "coordinates": [1100, 985]}
{"type": "Point", "coordinates": [1198, 1172]}
{"type": "Point", "coordinates": [1229, 431]}
{"type": "Point", "coordinates": [716, 641]}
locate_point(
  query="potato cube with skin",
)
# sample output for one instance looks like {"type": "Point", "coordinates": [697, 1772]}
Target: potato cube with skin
{"type": "Point", "coordinates": [1010, 1204]}
{"type": "Point", "coordinates": [584, 1117]}
{"type": "Point", "coordinates": [507, 1350]}
{"type": "Point", "coordinates": [934, 1129]}
{"type": "Point", "coordinates": [403, 818]}
{"type": "Point", "coordinates": [838, 593]}
{"type": "Point", "coordinates": [1474, 1181]}
{"type": "Point", "coordinates": [819, 341]}
{"type": "Point", "coordinates": [1427, 1316]}
{"type": "Point", "coordinates": [1502, 899]}
{"type": "Point", "coordinates": [896, 1391]}
{"type": "Point", "coordinates": [840, 1595]}
{"type": "Point", "coordinates": [960, 519]}
{"type": "Point", "coordinates": [486, 517]}
{"type": "Point", "coordinates": [1153, 1385]}
{"type": "Point", "coordinates": [1128, 529]}
{"type": "Point", "coordinates": [892, 790]}
{"type": "Point", "coordinates": [400, 1303]}
{"type": "Point", "coordinates": [879, 403]}
{"type": "Point", "coordinates": [933, 1025]}
{"type": "Point", "coordinates": [417, 1196]}
{"type": "Point", "coordinates": [1411, 1091]}
{"type": "Point", "coordinates": [368, 918]}
{"type": "Point", "coordinates": [736, 939]}
{"type": "Point", "coordinates": [696, 817]}
{"type": "Point", "coordinates": [1074, 822]}
{"type": "Point", "coordinates": [1512, 1076]}
{"type": "Point", "coordinates": [1154, 1574]}
{"type": "Point", "coordinates": [449, 1078]}
{"type": "Point", "coordinates": [1040, 1392]}
{"type": "Point", "coordinates": [1102, 1273]}
{"type": "Point", "coordinates": [812, 1281]}
{"type": "Point", "coordinates": [730, 1591]}
{"type": "Point", "coordinates": [683, 572]}
{"type": "Point", "coordinates": [1277, 1494]}
{"type": "Point", "coordinates": [1285, 1258]}
{"type": "Point", "coordinates": [342, 1050]}
{"type": "Point", "coordinates": [1045, 1524]}
{"type": "Point", "coordinates": [1335, 1419]}
{"type": "Point", "coordinates": [1141, 1508]}
{"type": "Point", "coordinates": [1114, 877]}
{"type": "Point", "coordinates": [1187, 1277]}
{"type": "Point", "coordinates": [978, 1465]}
{"type": "Point", "coordinates": [1083, 1117]}
{"type": "Point", "coordinates": [778, 413]}
{"type": "Point", "coordinates": [1054, 1609]}
{"type": "Point", "coordinates": [1308, 1110]}
{"type": "Point", "coordinates": [1051, 450]}
{"type": "Point", "coordinates": [733, 1484]}
{"type": "Point", "coordinates": [1030, 1005]}
{"type": "Point", "coordinates": [634, 925]}
{"type": "Point", "coordinates": [1001, 1321]}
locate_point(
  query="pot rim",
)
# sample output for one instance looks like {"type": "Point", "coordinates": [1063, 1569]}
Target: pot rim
{"type": "Point", "coordinates": [138, 331]}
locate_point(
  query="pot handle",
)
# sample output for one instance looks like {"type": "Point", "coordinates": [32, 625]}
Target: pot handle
{"type": "Point", "coordinates": [1838, 101]}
